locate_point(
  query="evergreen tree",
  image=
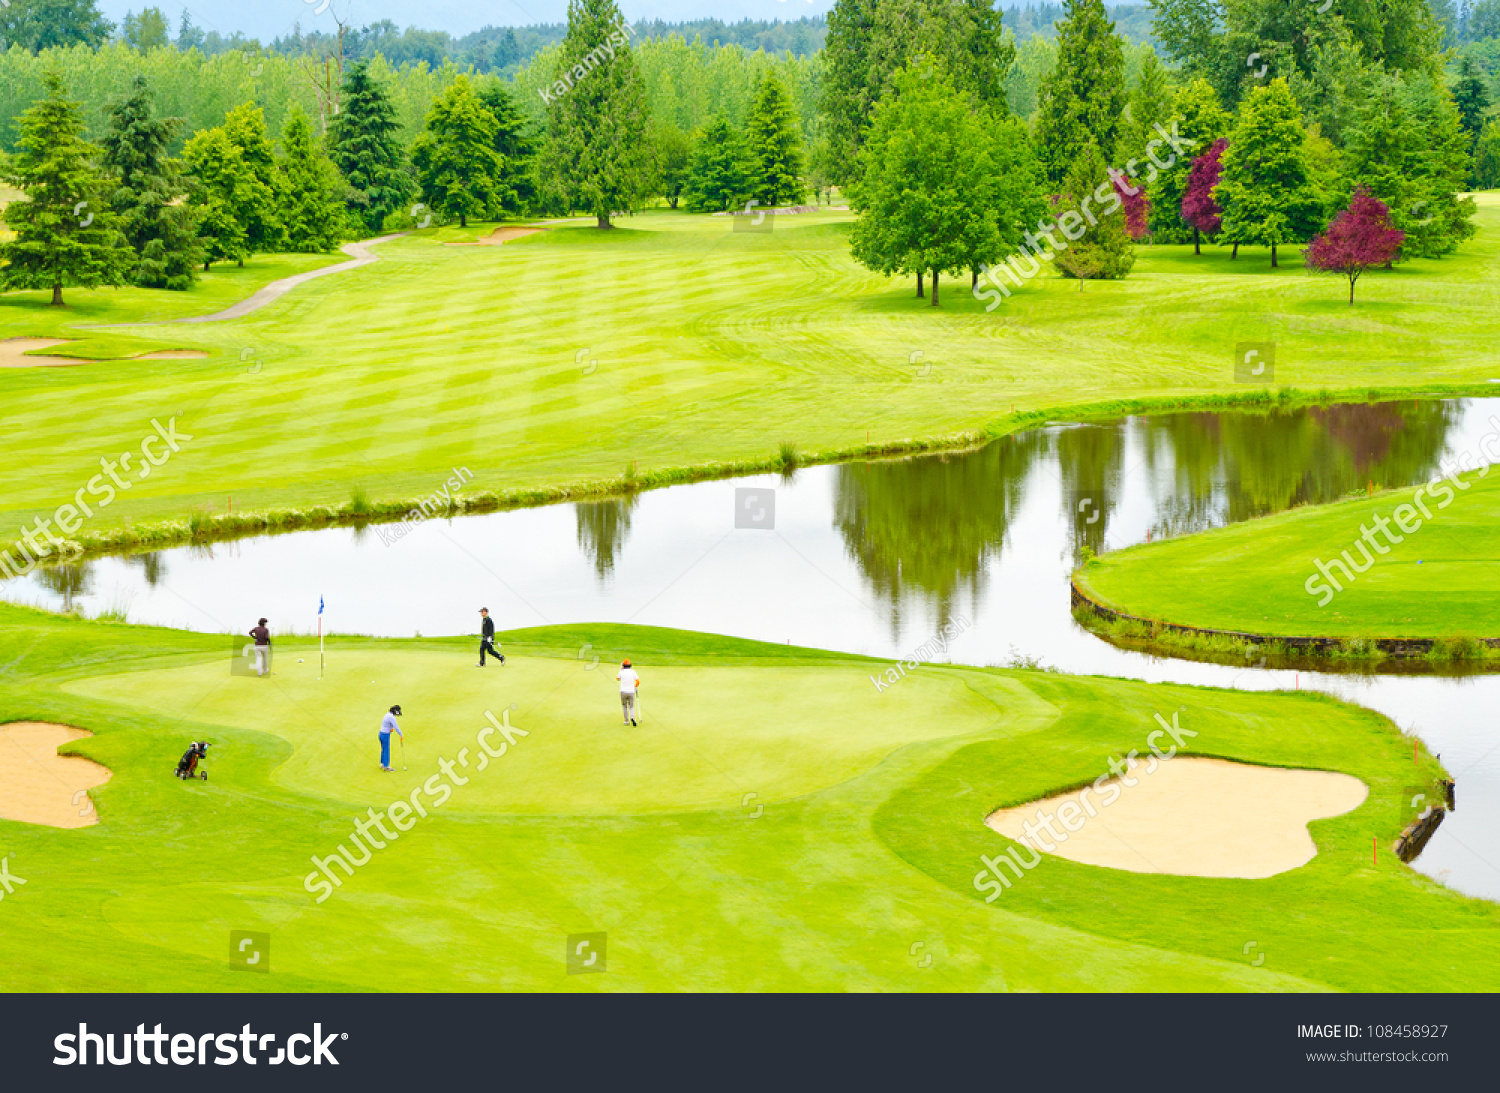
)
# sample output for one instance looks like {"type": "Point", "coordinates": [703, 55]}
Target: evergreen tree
{"type": "Point", "coordinates": [457, 166]}
{"type": "Point", "coordinates": [517, 184]}
{"type": "Point", "coordinates": [1440, 217]}
{"type": "Point", "coordinates": [188, 36]}
{"type": "Point", "coordinates": [221, 195]}
{"type": "Point", "coordinates": [162, 232]}
{"type": "Point", "coordinates": [245, 126]}
{"type": "Point", "coordinates": [1472, 99]}
{"type": "Point", "coordinates": [598, 157]}
{"type": "Point", "coordinates": [65, 232]}
{"type": "Point", "coordinates": [1266, 189]}
{"type": "Point", "coordinates": [869, 41]}
{"type": "Point", "coordinates": [721, 173]}
{"type": "Point", "coordinates": [1200, 121]}
{"type": "Point", "coordinates": [1379, 157]}
{"type": "Point", "coordinates": [1084, 95]}
{"type": "Point", "coordinates": [775, 141]}
{"type": "Point", "coordinates": [926, 185]}
{"type": "Point", "coordinates": [364, 144]}
{"type": "Point", "coordinates": [1487, 157]}
{"type": "Point", "coordinates": [312, 204]}
{"type": "Point", "coordinates": [1099, 246]}
{"type": "Point", "coordinates": [1150, 105]}
{"type": "Point", "coordinates": [35, 25]}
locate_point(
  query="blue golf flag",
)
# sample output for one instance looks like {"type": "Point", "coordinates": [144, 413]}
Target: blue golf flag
{"type": "Point", "coordinates": [320, 605]}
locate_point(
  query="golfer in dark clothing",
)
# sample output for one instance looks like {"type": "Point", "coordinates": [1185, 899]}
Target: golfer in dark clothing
{"type": "Point", "coordinates": [262, 638]}
{"type": "Point", "coordinates": [487, 638]}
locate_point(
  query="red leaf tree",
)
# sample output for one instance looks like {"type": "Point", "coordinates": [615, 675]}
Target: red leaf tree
{"type": "Point", "coordinates": [1360, 237]}
{"type": "Point", "coordinates": [1137, 206]}
{"type": "Point", "coordinates": [1199, 209]}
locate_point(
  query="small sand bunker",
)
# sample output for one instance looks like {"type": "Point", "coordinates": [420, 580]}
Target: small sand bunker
{"type": "Point", "coordinates": [13, 354]}
{"type": "Point", "coordinates": [498, 236]}
{"type": "Point", "coordinates": [1192, 817]}
{"type": "Point", "coordinates": [38, 786]}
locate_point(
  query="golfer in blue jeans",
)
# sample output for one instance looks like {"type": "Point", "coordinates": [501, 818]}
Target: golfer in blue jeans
{"type": "Point", "coordinates": [387, 726]}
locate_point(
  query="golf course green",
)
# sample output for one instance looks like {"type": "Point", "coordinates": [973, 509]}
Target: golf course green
{"type": "Point", "coordinates": [776, 822]}
{"type": "Point", "coordinates": [548, 361]}
{"type": "Point", "coordinates": [1430, 579]}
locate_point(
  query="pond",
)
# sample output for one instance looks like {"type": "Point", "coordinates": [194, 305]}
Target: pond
{"type": "Point", "coordinates": [869, 557]}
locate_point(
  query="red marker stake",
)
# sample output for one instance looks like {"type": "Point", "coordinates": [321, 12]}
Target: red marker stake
{"type": "Point", "coordinates": [1374, 850]}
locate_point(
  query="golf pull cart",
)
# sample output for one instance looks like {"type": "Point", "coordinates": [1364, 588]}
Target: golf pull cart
{"type": "Point", "coordinates": [187, 766]}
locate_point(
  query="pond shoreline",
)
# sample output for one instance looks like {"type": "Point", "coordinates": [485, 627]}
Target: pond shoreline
{"type": "Point", "coordinates": [204, 527]}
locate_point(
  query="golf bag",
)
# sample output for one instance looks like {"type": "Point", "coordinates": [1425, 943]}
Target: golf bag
{"type": "Point", "coordinates": [187, 766]}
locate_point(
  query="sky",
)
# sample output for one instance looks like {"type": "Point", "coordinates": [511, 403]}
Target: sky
{"type": "Point", "coordinates": [268, 19]}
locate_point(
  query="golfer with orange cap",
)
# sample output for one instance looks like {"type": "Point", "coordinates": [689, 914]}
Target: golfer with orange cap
{"type": "Point", "coordinates": [630, 683]}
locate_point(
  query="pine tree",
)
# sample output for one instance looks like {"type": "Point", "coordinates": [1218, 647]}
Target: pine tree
{"type": "Point", "coordinates": [364, 144]}
{"type": "Point", "coordinates": [245, 126]}
{"type": "Point", "coordinates": [1378, 158]}
{"type": "Point", "coordinates": [1099, 246]}
{"type": "Point", "coordinates": [220, 195]}
{"type": "Point", "coordinates": [1150, 105]}
{"type": "Point", "coordinates": [1083, 97]}
{"type": "Point", "coordinates": [517, 184]}
{"type": "Point", "coordinates": [457, 165]}
{"type": "Point", "coordinates": [721, 173]}
{"type": "Point", "coordinates": [1200, 121]}
{"type": "Point", "coordinates": [162, 232]}
{"type": "Point", "coordinates": [65, 232]}
{"type": "Point", "coordinates": [1440, 217]}
{"type": "Point", "coordinates": [1472, 99]}
{"type": "Point", "coordinates": [312, 206]}
{"type": "Point", "coordinates": [1487, 157]}
{"type": "Point", "coordinates": [775, 141]}
{"type": "Point", "coordinates": [1266, 189]}
{"type": "Point", "coordinates": [597, 155]}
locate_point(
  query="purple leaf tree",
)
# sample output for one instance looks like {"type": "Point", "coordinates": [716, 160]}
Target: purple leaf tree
{"type": "Point", "coordinates": [1137, 206]}
{"type": "Point", "coordinates": [1199, 209]}
{"type": "Point", "coordinates": [1360, 237]}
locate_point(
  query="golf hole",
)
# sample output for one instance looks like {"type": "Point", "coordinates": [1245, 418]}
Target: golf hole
{"type": "Point", "coordinates": [1190, 817]}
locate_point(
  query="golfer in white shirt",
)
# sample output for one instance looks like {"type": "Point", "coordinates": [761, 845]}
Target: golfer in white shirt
{"type": "Point", "coordinates": [630, 683]}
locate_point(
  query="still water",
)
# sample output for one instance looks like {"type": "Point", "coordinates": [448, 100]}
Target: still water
{"type": "Point", "coordinates": [870, 558]}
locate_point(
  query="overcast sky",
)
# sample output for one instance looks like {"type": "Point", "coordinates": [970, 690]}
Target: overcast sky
{"type": "Point", "coordinates": [266, 19]}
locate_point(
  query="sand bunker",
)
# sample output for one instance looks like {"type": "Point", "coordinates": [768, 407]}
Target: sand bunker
{"type": "Point", "coordinates": [13, 354]}
{"type": "Point", "coordinates": [498, 236]}
{"type": "Point", "coordinates": [38, 786]}
{"type": "Point", "coordinates": [1192, 817]}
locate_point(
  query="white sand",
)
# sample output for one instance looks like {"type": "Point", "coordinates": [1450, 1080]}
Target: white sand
{"type": "Point", "coordinates": [13, 354]}
{"type": "Point", "coordinates": [38, 786]}
{"type": "Point", "coordinates": [1193, 817]}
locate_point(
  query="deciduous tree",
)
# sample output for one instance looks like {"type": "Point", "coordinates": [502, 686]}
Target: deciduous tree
{"type": "Point", "coordinates": [1265, 188]}
{"type": "Point", "coordinates": [1199, 209]}
{"type": "Point", "coordinates": [1360, 237]}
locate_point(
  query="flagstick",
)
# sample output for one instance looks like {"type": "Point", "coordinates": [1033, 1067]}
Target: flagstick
{"type": "Point", "coordinates": [320, 645]}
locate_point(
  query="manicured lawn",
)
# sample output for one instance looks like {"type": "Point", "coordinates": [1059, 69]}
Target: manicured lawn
{"type": "Point", "coordinates": [673, 340]}
{"type": "Point", "coordinates": [1440, 581]}
{"type": "Point", "coordinates": [774, 824]}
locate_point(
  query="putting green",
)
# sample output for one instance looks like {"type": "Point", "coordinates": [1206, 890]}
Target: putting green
{"type": "Point", "coordinates": [1438, 581]}
{"type": "Point", "coordinates": [854, 861]}
{"type": "Point", "coordinates": [709, 735]}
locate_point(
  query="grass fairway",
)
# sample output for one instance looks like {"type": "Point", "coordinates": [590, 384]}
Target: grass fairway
{"type": "Point", "coordinates": [1440, 582]}
{"type": "Point", "coordinates": [775, 824]}
{"type": "Point", "coordinates": [565, 356]}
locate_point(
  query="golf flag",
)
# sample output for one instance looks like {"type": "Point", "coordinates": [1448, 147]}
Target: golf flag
{"type": "Point", "coordinates": [320, 605]}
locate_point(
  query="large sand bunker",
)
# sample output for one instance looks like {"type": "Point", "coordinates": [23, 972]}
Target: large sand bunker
{"type": "Point", "coordinates": [13, 354]}
{"type": "Point", "coordinates": [1192, 817]}
{"type": "Point", "coordinates": [499, 236]}
{"type": "Point", "coordinates": [38, 786]}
